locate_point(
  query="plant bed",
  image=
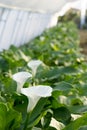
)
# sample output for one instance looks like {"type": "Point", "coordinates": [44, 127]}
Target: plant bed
{"type": "Point", "coordinates": [43, 84]}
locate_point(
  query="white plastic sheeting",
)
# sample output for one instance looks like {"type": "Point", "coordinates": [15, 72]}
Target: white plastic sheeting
{"type": "Point", "coordinates": [83, 12]}
{"type": "Point", "coordinates": [19, 27]}
{"type": "Point", "coordinates": [74, 5]}
{"type": "Point", "coordinates": [46, 6]}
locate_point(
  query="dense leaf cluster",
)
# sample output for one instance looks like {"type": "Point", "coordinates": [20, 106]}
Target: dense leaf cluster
{"type": "Point", "coordinates": [64, 69]}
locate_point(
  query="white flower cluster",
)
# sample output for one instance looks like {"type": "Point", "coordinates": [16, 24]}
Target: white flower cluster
{"type": "Point", "coordinates": [34, 93]}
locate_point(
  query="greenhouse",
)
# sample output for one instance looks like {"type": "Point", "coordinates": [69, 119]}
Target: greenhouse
{"type": "Point", "coordinates": [43, 65]}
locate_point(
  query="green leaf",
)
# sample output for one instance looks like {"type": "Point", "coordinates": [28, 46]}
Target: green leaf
{"type": "Point", "coordinates": [62, 114]}
{"type": "Point", "coordinates": [83, 128]}
{"type": "Point", "coordinates": [78, 123]}
{"type": "Point", "coordinates": [69, 70]}
{"type": "Point", "coordinates": [9, 118]}
{"type": "Point", "coordinates": [46, 120]}
{"type": "Point", "coordinates": [3, 116]}
{"type": "Point", "coordinates": [36, 114]}
{"type": "Point", "coordinates": [78, 109]}
{"type": "Point", "coordinates": [54, 102]}
{"type": "Point", "coordinates": [63, 86]}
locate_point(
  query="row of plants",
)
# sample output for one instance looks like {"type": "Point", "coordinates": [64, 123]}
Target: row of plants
{"type": "Point", "coordinates": [75, 16]}
{"type": "Point", "coordinates": [43, 84]}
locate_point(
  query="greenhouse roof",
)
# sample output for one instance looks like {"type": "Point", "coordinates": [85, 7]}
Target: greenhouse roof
{"type": "Point", "coordinates": [44, 6]}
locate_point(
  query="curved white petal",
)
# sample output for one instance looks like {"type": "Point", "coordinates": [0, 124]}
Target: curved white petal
{"type": "Point", "coordinates": [56, 124]}
{"type": "Point", "coordinates": [34, 93]}
{"type": "Point", "coordinates": [20, 78]}
{"type": "Point", "coordinates": [41, 91]}
{"type": "Point", "coordinates": [34, 64]}
{"type": "Point", "coordinates": [32, 102]}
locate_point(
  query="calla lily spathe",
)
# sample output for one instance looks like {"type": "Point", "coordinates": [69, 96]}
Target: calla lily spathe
{"type": "Point", "coordinates": [34, 93]}
{"type": "Point", "coordinates": [34, 64]}
{"type": "Point", "coordinates": [21, 78]}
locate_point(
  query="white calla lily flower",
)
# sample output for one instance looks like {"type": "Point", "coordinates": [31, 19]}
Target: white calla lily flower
{"type": "Point", "coordinates": [21, 78]}
{"type": "Point", "coordinates": [34, 64]}
{"type": "Point", "coordinates": [34, 93]}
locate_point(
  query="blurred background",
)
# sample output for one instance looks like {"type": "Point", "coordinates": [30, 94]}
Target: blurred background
{"type": "Point", "coordinates": [78, 14]}
{"type": "Point", "coordinates": [20, 25]}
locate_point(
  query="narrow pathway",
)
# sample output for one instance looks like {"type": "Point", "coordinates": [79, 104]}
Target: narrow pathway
{"type": "Point", "coordinates": [83, 40]}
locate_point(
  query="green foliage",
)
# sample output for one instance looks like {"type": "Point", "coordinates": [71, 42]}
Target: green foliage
{"type": "Point", "coordinates": [64, 69]}
{"type": "Point", "coordinates": [9, 118]}
{"type": "Point", "coordinates": [62, 114]}
{"type": "Point", "coordinates": [78, 124]}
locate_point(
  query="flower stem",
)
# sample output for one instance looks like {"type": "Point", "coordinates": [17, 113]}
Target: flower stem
{"type": "Point", "coordinates": [26, 122]}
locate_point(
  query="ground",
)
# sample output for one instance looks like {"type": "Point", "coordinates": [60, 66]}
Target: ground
{"type": "Point", "coordinates": [83, 40]}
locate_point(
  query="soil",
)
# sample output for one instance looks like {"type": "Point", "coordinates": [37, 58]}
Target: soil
{"type": "Point", "coordinates": [84, 47]}
{"type": "Point", "coordinates": [83, 40]}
